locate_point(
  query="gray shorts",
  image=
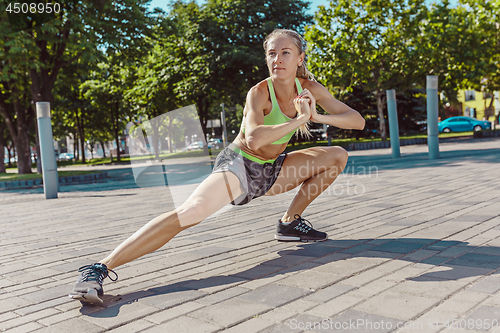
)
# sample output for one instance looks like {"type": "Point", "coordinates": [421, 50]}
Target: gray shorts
{"type": "Point", "coordinates": [256, 177]}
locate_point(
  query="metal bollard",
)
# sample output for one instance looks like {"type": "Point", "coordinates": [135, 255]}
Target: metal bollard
{"type": "Point", "coordinates": [432, 117]}
{"type": "Point", "coordinates": [49, 165]}
{"type": "Point", "coordinates": [392, 110]}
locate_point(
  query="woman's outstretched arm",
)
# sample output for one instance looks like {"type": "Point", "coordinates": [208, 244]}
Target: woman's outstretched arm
{"type": "Point", "coordinates": [340, 115]}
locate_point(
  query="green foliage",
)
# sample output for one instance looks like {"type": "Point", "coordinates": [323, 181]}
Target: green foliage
{"type": "Point", "coordinates": [111, 62]}
{"type": "Point", "coordinates": [380, 46]}
{"type": "Point", "coordinates": [79, 33]}
{"type": "Point", "coordinates": [105, 90]}
{"type": "Point", "coordinates": [207, 55]}
{"type": "Point", "coordinates": [367, 44]}
{"type": "Point", "coordinates": [485, 16]}
{"type": "Point", "coordinates": [453, 47]}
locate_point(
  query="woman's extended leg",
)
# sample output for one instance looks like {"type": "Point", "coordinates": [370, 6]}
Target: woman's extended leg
{"type": "Point", "coordinates": [315, 168]}
{"type": "Point", "coordinates": [211, 195]}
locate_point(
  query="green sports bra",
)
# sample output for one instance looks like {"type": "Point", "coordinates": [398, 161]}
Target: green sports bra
{"type": "Point", "coordinates": [276, 116]}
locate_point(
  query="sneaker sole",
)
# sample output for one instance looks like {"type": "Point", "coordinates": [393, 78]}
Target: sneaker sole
{"type": "Point", "coordinates": [283, 238]}
{"type": "Point", "coordinates": [91, 297]}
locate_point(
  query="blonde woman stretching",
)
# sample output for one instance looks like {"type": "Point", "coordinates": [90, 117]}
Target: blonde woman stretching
{"type": "Point", "coordinates": [254, 164]}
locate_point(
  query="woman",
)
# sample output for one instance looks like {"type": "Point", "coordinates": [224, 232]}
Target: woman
{"type": "Point", "coordinates": [254, 164]}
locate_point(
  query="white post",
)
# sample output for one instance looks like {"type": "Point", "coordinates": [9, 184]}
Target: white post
{"type": "Point", "coordinates": [49, 165]}
{"type": "Point", "coordinates": [432, 117]}
{"type": "Point", "coordinates": [392, 110]}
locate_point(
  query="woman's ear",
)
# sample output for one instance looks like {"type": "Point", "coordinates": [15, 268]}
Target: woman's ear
{"type": "Point", "coordinates": [301, 59]}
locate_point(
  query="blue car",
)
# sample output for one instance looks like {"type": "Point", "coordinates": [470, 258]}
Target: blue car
{"type": "Point", "coordinates": [462, 124]}
{"type": "Point", "coordinates": [215, 144]}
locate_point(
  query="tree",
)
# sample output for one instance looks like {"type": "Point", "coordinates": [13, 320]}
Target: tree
{"type": "Point", "coordinates": [98, 128]}
{"type": "Point", "coordinates": [215, 50]}
{"type": "Point", "coordinates": [106, 88]}
{"type": "Point", "coordinates": [485, 18]}
{"type": "Point", "coordinates": [85, 27]}
{"type": "Point", "coordinates": [3, 141]}
{"type": "Point", "coordinates": [455, 48]}
{"type": "Point", "coordinates": [368, 44]}
{"type": "Point", "coordinates": [232, 33]}
{"type": "Point", "coordinates": [71, 109]}
{"type": "Point", "coordinates": [79, 32]}
{"type": "Point", "coordinates": [16, 108]}
{"type": "Point", "coordinates": [153, 90]}
{"type": "Point", "coordinates": [18, 115]}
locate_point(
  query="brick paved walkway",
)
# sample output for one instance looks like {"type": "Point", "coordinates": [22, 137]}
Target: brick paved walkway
{"type": "Point", "coordinates": [413, 243]}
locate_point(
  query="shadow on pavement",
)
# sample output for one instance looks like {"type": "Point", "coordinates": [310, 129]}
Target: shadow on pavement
{"type": "Point", "coordinates": [457, 259]}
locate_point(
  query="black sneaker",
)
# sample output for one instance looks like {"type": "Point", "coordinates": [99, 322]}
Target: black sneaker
{"type": "Point", "coordinates": [299, 230]}
{"type": "Point", "coordinates": [88, 287]}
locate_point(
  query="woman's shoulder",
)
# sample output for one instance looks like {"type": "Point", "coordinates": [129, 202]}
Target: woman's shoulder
{"type": "Point", "coordinates": [259, 91]}
{"type": "Point", "coordinates": [309, 84]}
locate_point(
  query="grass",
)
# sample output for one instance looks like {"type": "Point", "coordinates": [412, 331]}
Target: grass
{"type": "Point", "coordinates": [7, 177]}
{"type": "Point", "coordinates": [199, 153]}
{"type": "Point", "coordinates": [345, 142]}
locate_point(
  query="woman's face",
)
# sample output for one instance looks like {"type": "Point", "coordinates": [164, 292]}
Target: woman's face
{"type": "Point", "coordinates": [283, 57]}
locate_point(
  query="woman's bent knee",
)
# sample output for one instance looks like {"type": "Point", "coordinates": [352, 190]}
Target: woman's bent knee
{"type": "Point", "coordinates": [343, 156]}
{"type": "Point", "coordinates": [339, 157]}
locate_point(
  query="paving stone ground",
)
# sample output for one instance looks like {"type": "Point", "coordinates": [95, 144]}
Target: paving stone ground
{"type": "Point", "coordinates": [414, 247]}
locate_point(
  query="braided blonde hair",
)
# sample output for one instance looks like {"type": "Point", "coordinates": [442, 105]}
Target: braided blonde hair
{"type": "Point", "coordinates": [302, 71]}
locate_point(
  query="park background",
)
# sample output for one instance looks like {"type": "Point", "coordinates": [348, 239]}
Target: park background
{"type": "Point", "coordinates": [102, 65]}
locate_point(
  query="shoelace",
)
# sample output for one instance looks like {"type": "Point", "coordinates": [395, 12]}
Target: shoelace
{"type": "Point", "coordinates": [96, 272]}
{"type": "Point", "coordinates": [303, 222]}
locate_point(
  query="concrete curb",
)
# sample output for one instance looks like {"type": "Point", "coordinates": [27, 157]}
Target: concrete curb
{"type": "Point", "coordinates": [486, 134]}
{"type": "Point", "coordinates": [384, 144]}
{"type": "Point", "coordinates": [67, 180]}
{"type": "Point", "coordinates": [416, 157]}
{"type": "Point", "coordinates": [409, 142]}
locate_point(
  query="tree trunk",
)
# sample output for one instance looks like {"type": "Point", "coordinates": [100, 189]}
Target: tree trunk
{"type": "Point", "coordinates": [380, 109]}
{"type": "Point", "coordinates": [91, 151]}
{"type": "Point", "coordinates": [19, 131]}
{"type": "Point", "coordinates": [2, 157]}
{"type": "Point", "coordinates": [170, 134]}
{"type": "Point", "coordinates": [441, 113]}
{"type": "Point", "coordinates": [492, 100]}
{"type": "Point", "coordinates": [203, 106]}
{"type": "Point", "coordinates": [75, 145]}
{"type": "Point", "coordinates": [117, 131]}
{"type": "Point", "coordinates": [9, 163]}
{"type": "Point", "coordinates": [81, 135]}
{"type": "Point", "coordinates": [103, 148]}
{"type": "Point", "coordinates": [82, 147]}
{"type": "Point", "coordinates": [23, 153]}
{"type": "Point", "coordinates": [21, 140]}
{"type": "Point", "coordinates": [2, 152]}
{"type": "Point", "coordinates": [155, 124]}
{"type": "Point", "coordinates": [489, 110]}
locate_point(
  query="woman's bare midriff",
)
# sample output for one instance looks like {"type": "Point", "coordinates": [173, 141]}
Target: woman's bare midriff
{"type": "Point", "coordinates": [269, 152]}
